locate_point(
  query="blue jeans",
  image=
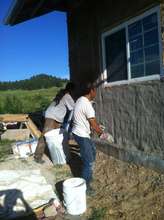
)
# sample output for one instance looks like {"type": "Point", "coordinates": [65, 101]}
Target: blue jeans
{"type": "Point", "coordinates": [88, 156]}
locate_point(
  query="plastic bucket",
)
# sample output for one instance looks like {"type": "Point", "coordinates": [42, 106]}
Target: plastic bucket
{"type": "Point", "coordinates": [74, 193]}
{"type": "Point", "coordinates": [57, 142]}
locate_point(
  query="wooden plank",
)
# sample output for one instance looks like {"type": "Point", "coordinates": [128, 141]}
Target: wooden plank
{"type": "Point", "coordinates": [13, 117]}
{"type": "Point", "coordinates": [16, 134]}
{"type": "Point", "coordinates": [21, 118]}
{"type": "Point", "coordinates": [32, 127]}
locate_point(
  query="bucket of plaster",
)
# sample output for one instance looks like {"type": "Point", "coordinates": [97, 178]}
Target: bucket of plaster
{"type": "Point", "coordinates": [74, 193]}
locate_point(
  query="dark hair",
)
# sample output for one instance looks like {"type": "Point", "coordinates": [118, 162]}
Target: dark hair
{"type": "Point", "coordinates": [70, 86]}
{"type": "Point", "coordinates": [87, 87]}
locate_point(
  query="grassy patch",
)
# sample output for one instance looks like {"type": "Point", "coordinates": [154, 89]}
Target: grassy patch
{"type": "Point", "coordinates": [24, 101]}
{"type": "Point", "coordinates": [5, 149]}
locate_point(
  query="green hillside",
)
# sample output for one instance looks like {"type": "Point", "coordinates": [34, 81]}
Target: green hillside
{"type": "Point", "coordinates": [35, 82]}
{"type": "Point", "coordinates": [24, 101]}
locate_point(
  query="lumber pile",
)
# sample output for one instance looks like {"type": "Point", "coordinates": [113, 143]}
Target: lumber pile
{"type": "Point", "coordinates": [32, 127]}
{"type": "Point", "coordinates": [6, 118]}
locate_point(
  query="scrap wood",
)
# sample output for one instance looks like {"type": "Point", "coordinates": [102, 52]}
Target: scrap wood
{"type": "Point", "coordinates": [16, 134]}
{"type": "Point", "coordinates": [32, 127]}
{"type": "Point", "coordinates": [21, 118]}
{"type": "Point", "coordinates": [13, 117]}
{"type": "Point", "coordinates": [40, 208]}
{"type": "Point", "coordinates": [29, 123]}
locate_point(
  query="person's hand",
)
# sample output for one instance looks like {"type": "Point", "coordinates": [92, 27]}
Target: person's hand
{"type": "Point", "coordinates": [102, 127]}
{"type": "Point", "coordinates": [107, 137]}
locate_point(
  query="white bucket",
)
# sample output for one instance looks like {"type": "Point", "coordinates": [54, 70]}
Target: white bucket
{"type": "Point", "coordinates": [74, 192]}
{"type": "Point", "coordinates": [57, 142]}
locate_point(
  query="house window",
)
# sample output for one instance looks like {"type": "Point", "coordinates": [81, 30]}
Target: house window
{"type": "Point", "coordinates": [132, 51]}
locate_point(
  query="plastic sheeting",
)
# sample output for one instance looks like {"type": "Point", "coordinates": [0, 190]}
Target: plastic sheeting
{"type": "Point", "coordinates": [24, 149]}
{"type": "Point", "coordinates": [21, 191]}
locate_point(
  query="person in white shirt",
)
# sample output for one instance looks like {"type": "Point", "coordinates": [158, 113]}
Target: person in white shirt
{"type": "Point", "coordinates": [83, 121]}
{"type": "Point", "coordinates": [54, 116]}
{"type": "Point", "coordinates": [57, 111]}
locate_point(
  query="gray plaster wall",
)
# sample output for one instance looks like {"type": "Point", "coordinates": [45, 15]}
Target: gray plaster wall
{"type": "Point", "coordinates": [133, 113]}
{"type": "Point", "coordinates": [162, 28]}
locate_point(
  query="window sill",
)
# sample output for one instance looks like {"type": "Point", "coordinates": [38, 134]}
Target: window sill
{"type": "Point", "coordinates": [133, 81]}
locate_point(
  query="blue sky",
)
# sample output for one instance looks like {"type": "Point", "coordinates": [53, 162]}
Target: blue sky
{"type": "Point", "coordinates": [33, 47]}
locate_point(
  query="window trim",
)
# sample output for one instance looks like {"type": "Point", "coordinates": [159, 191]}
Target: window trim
{"type": "Point", "coordinates": [125, 26]}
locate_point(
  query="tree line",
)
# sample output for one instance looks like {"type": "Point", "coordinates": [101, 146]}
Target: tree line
{"type": "Point", "coordinates": [41, 81]}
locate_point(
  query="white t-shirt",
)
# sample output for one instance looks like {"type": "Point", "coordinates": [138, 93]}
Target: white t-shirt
{"type": "Point", "coordinates": [82, 112]}
{"type": "Point", "coordinates": [57, 112]}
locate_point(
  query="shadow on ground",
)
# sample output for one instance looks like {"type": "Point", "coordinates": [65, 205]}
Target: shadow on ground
{"type": "Point", "coordinates": [10, 201]}
{"type": "Point", "coordinates": [75, 162]}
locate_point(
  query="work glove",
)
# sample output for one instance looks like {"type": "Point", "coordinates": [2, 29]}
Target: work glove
{"type": "Point", "coordinates": [102, 127]}
{"type": "Point", "coordinates": [107, 137]}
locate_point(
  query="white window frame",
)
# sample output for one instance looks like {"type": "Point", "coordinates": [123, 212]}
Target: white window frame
{"type": "Point", "coordinates": [125, 26]}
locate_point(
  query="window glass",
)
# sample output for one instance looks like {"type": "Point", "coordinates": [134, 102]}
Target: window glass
{"type": "Point", "coordinates": [136, 57]}
{"type": "Point", "coordinates": [152, 53]}
{"type": "Point", "coordinates": [151, 37]}
{"type": "Point", "coordinates": [137, 71]}
{"type": "Point", "coordinates": [152, 68]}
{"type": "Point", "coordinates": [136, 43]}
{"type": "Point", "coordinates": [150, 22]}
{"type": "Point", "coordinates": [116, 61]}
{"type": "Point", "coordinates": [135, 28]}
{"type": "Point", "coordinates": [144, 46]}
{"type": "Point", "coordinates": [143, 50]}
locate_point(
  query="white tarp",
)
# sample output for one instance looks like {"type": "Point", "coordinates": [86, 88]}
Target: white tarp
{"type": "Point", "coordinates": [21, 191]}
{"type": "Point", "coordinates": [23, 149]}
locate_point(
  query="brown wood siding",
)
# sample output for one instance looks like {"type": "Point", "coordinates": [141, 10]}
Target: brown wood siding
{"type": "Point", "coordinates": [85, 25]}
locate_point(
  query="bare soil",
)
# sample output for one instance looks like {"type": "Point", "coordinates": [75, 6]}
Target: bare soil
{"type": "Point", "coordinates": [126, 191]}
{"type": "Point", "coordinates": [123, 191]}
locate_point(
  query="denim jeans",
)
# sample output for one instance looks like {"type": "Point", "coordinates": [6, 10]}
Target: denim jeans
{"type": "Point", "coordinates": [88, 156]}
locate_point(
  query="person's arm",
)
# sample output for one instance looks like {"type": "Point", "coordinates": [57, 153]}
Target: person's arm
{"type": "Point", "coordinates": [95, 126]}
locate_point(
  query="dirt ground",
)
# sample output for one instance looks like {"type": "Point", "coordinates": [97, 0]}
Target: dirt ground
{"type": "Point", "coordinates": [123, 191]}
{"type": "Point", "coordinates": [126, 191]}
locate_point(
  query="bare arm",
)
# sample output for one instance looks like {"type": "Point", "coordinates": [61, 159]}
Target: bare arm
{"type": "Point", "coordinates": [95, 126]}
